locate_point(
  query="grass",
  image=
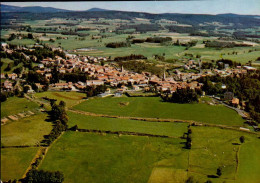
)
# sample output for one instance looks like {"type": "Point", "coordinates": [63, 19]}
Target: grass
{"type": "Point", "coordinates": [86, 157]}
{"type": "Point", "coordinates": [6, 61]}
{"type": "Point", "coordinates": [249, 161]}
{"type": "Point", "coordinates": [15, 105]}
{"type": "Point", "coordinates": [112, 124]}
{"type": "Point", "coordinates": [14, 162]}
{"type": "Point", "coordinates": [71, 98]}
{"type": "Point", "coordinates": [26, 131]}
{"type": "Point", "coordinates": [153, 107]}
{"type": "Point", "coordinates": [214, 147]}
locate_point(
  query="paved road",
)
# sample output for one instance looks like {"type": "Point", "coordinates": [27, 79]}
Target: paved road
{"type": "Point", "coordinates": [239, 111]}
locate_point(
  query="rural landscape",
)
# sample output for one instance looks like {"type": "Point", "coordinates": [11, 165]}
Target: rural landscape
{"type": "Point", "coordinates": [117, 96]}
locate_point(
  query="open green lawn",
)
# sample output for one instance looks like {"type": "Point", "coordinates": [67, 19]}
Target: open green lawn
{"type": "Point", "coordinates": [15, 161]}
{"type": "Point", "coordinates": [153, 107]}
{"type": "Point", "coordinates": [71, 98]}
{"type": "Point", "coordinates": [87, 157]}
{"type": "Point", "coordinates": [25, 131]}
{"type": "Point", "coordinates": [15, 105]}
{"type": "Point", "coordinates": [113, 124]}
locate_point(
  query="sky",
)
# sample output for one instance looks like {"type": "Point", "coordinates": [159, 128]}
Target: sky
{"type": "Point", "coordinates": [246, 7]}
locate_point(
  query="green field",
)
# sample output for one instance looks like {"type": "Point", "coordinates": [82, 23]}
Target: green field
{"type": "Point", "coordinates": [71, 98]}
{"type": "Point", "coordinates": [25, 131]}
{"type": "Point", "coordinates": [153, 107]}
{"type": "Point", "coordinates": [15, 105]}
{"type": "Point", "coordinates": [249, 161]}
{"type": "Point", "coordinates": [112, 124]}
{"type": "Point", "coordinates": [214, 147]}
{"type": "Point", "coordinates": [86, 157]}
{"type": "Point", "coordinates": [14, 162]}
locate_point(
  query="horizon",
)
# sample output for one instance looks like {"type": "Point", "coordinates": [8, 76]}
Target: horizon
{"type": "Point", "coordinates": [213, 7]}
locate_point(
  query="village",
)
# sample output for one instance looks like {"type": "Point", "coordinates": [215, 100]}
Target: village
{"type": "Point", "coordinates": [116, 77]}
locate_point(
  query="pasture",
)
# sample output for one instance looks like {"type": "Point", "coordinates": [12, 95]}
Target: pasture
{"type": "Point", "coordinates": [25, 131]}
{"type": "Point", "coordinates": [153, 107]}
{"type": "Point", "coordinates": [15, 105]}
{"type": "Point", "coordinates": [214, 147]}
{"type": "Point", "coordinates": [114, 124]}
{"type": "Point", "coordinates": [70, 98]}
{"type": "Point", "coordinates": [87, 157]}
{"type": "Point", "coordinates": [14, 162]}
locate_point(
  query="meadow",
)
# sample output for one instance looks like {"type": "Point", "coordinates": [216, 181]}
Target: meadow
{"type": "Point", "coordinates": [70, 98]}
{"type": "Point", "coordinates": [25, 131]}
{"type": "Point", "coordinates": [14, 162]}
{"type": "Point", "coordinates": [87, 157]}
{"type": "Point", "coordinates": [153, 107]}
{"type": "Point", "coordinates": [214, 147]}
{"type": "Point", "coordinates": [114, 124]}
{"type": "Point", "coordinates": [15, 105]}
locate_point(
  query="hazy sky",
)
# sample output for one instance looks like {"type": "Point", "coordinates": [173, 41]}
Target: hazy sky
{"type": "Point", "coordinates": [250, 7]}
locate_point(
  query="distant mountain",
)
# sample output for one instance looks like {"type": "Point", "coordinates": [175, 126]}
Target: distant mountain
{"type": "Point", "coordinates": [31, 9]}
{"type": "Point", "coordinates": [237, 15]}
{"type": "Point", "coordinates": [98, 9]}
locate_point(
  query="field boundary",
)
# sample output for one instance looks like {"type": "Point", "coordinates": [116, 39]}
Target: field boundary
{"type": "Point", "coordinates": [191, 122]}
{"type": "Point", "coordinates": [124, 133]}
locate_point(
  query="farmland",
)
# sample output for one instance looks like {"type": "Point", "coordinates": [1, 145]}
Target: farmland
{"type": "Point", "coordinates": [14, 161]}
{"type": "Point", "coordinates": [129, 97]}
{"type": "Point", "coordinates": [100, 123]}
{"type": "Point", "coordinates": [25, 131]}
{"type": "Point", "coordinates": [84, 157]}
{"type": "Point", "coordinates": [170, 162]}
{"type": "Point", "coordinates": [70, 98]}
{"type": "Point", "coordinates": [15, 105]}
{"type": "Point", "coordinates": [101, 32]}
{"type": "Point", "coordinates": [153, 107]}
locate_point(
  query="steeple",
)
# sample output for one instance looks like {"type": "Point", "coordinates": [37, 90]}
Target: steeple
{"type": "Point", "coordinates": [164, 75]}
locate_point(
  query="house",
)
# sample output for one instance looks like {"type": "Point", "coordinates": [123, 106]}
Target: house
{"type": "Point", "coordinates": [12, 76]}
{"type": "Point", "coordinates": [8, 86]}
{"type": "Point", "coordinates": [2, 76]}
{"type": "Point", "coordinates": [48, 76]}
{"type": "Point", "coordinates": [136, 88]}
{"type": "Point", "coordinates": [94, 82]}
{"type": "Point", "coordinates": [235, 102]}
{"type": "Point", "coordinates": [41, 66]}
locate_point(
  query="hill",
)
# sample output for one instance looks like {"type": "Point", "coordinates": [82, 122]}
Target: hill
{"type": "Point", "coordinates": [31, 9]}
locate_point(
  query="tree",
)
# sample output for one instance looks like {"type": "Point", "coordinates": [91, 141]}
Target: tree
{"type": "Point", "coordinates": [219, 171]}
{"type": "Point", "coordinates": [242, 139]}
{"type": "Point", "coordinates": [30, 36]}
{"type": "Point", "coordinates": [26, 88]}
{"type": "Point", "coordinates": [3, 97]}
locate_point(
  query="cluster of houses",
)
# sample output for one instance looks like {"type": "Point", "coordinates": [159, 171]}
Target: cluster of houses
{"type": "Point", "coordinates": [108, 74]}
